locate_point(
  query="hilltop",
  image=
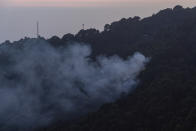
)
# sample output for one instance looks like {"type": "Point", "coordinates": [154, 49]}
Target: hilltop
{"type": "Point", "coordinates": [165, 98]}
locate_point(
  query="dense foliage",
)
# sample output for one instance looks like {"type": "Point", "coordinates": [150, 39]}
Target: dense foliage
{"type": "Point", "coordinates": [166, 96]}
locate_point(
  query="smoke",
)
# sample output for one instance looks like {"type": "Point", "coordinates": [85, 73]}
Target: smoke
{"type": "Point", "coordinates": [40, 84]}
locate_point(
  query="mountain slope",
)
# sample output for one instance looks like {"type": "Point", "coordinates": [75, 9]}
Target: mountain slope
{"type": "Point", "coordinates": [166, 96]}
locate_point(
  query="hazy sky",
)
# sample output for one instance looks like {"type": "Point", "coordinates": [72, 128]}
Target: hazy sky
{"type": "Point", "coordinates": [58, 17]}
{"type": "Point", "coordinates": [79, 3]}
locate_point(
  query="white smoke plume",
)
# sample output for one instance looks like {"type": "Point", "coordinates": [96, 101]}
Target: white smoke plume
{"type": "Point", "coordinates": [39, 83]}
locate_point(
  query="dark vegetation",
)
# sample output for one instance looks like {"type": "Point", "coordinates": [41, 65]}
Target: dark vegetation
{"type": "Point", "coordinates": [165, 99]}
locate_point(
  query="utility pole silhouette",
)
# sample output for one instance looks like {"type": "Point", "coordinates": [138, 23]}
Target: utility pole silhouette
{"type": "Point", "coordinates": [38, 36]}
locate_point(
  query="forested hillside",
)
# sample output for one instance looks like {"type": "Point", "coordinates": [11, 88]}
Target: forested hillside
{"type": "Point", "coordinates": [165, 99]}
{"type": "Point", "coordinates": [166, 96]}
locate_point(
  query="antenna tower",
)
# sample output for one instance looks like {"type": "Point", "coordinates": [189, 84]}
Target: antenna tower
{"type": "Point", "coordinates": [38, 36]}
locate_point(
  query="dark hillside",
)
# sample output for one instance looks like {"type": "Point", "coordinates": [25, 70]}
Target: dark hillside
{"type": "Point", "coordinates": [165, 99]}
{"type": "Point", "coordinates": [166, 96]}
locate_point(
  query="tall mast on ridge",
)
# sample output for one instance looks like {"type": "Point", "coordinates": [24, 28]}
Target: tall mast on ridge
{"type": "Point", "coordinates": [38, 36]}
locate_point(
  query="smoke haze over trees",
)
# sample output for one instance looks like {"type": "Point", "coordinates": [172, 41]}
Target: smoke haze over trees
{"type": "Point", "coordinates": [41, 84]}
{"type": "Point", "coordinates": [165, 96]}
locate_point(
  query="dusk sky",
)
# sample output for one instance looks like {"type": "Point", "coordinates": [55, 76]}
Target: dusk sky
{"type": "Point", "coordinates": [58, 17]}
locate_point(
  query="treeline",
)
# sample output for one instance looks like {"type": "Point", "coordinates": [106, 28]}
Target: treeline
{"type": "Point", "coordinates": [165, 99]}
